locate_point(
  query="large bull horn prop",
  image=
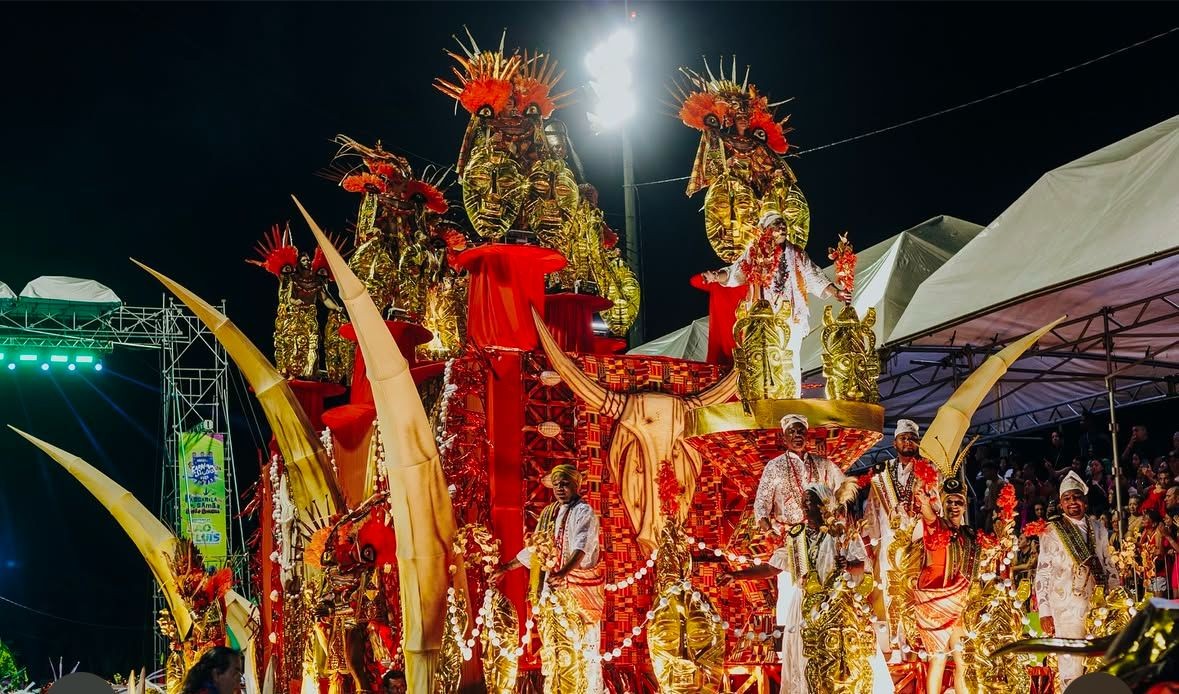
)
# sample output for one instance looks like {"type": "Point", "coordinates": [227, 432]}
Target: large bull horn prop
{"type": "Point", "coordinates": [312, 484]}
{"type": "Point", "coordinates": [943, 438]}
{"type": "Point", "coordinates": [423, 518]}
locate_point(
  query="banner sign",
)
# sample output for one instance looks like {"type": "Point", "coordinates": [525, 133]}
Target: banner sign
{"type": "Point", "coordinates": [201, 487]}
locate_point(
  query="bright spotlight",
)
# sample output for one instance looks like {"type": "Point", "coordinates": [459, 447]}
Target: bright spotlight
{"type": "Point", "coordinates": [98, 366]}
{"type": "Point", "coordinates": [611, 80]}
{"type": "Point", "coordinates": [12, 366]}
{"type": "Point", "coordinates": [72, 367]}
{"type": "Point", "coordinates": [44, 366]}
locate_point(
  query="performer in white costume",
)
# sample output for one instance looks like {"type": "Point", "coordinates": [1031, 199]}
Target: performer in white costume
{"type": "Point", "coordinates": [781, 505]}
{"type": "Point", "coordinates": [568, 531]}
{"type": "Point", "coordinates": [891, 498]}
{"type": "Point", "coordinates": [1074, 560]}
{"type": "Point", "coordinates": [795, 277]}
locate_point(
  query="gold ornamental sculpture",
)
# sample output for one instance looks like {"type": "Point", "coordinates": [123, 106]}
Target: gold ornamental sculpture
{"type": "Point", "coordinates": [762, 355]}
{"type": "Point", "coordinates": [685, 642]}
{"type": "Point", "coordinates": [740, 159]}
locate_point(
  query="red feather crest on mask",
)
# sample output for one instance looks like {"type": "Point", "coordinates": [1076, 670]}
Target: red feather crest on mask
{"type": "Point", "coordinates": [318, 261]}
{"type": "Point", "coordinates": [486, 91]}
{"type": "Point", "coordinates": [775, 136]}
{"type": "Point", "coordinates": [275, 252]}
{"type": "Point", "coordinates": [609, 237]}
{"type": "Point", "coordinates": [425, 194]}
{"type": "Point", "coordinates": [360, 183]}
{"type": "Point", "coordinates": [374, 533]}
{"type": "Point", "coordinates": [699, 105]}
{"type": "Point", "coordinates": [531, 91]}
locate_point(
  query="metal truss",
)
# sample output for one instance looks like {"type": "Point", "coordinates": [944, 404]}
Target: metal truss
{"type": "Point", "coordinates": [32, 325]}
{"type": "Point", "coordinates": [1089, 338]}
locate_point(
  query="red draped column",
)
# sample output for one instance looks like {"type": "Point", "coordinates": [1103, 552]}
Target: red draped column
{"type": "Point", "coordinates": [352, 424]}
{"type": "Point", "coordinates": [506, 282]}
{"type": "Point", "coordinates": [311, 395]}
{"type": "Point", "coordinates": [722, 309]}
{"type": "Point", "coordinates": [505, 428]}
{"type": "Point", "coordinates": [570, 318]}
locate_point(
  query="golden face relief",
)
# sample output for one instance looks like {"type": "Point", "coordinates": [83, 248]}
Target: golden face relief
{"type": "Point", "coordinates": [552, 196]}
{"type": "Point", "coordinates": [493, 191]}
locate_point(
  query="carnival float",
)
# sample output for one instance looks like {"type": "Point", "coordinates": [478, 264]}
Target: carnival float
{"type": "Point", "coordinates": [421, 391]}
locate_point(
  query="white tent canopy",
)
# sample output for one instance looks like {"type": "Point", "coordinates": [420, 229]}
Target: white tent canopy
{"type": "Point", "coordinates": [5, 292]}
{"type": "Point", "coordinates": [887, 274]}
{"type": "Point", "coordinates": [1097, 239]}
{"type": "Point", "coordinates": [69, 289]}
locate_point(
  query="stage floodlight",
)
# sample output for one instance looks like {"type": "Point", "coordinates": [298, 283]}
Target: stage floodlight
{"type": "Point", "coordinates": [84, 359]}
{"type": "Point", "coordinates": [28, 357]}
{"type": "Point", "coordinates": [12, 366]}
{"type": "Point", "coordinates": [44, 366]}
{"type": "Point", "coordinates": [72, 367]}
{"type": "Point", "coordinates": [58, 358]}
{"type": "Point", "coordinates": [98, 366]}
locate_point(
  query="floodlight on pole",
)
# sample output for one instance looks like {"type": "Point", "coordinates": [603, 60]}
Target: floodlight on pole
{"type": "Point", "coordinates": [612, 83]}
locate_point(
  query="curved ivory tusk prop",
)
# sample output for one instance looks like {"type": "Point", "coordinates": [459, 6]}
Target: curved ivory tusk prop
{"type": "Point", "coordinates": [313, 488]}
{"type": "Point", "coordinates": [943, 438]}
{"type": "Point", "coordinates": [157, 544]}
{"type": "Point", "coordinates": [423, 518]}
{"type": "Point", "coordinates": [152, 538]}
{"type": "Point", "coordinates": [582, 386]}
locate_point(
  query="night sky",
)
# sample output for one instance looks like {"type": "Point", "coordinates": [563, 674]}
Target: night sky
{"type": "Point", "coordinates": [175, 132]}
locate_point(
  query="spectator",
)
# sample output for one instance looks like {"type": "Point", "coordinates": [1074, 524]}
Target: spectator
{"type": "Point", "coordinates": [1039, 511]}
{"type": "Point", "coordinates": [990, 474]}
{"type": "Point", "coordinates": [1134, 515]}
{"type": "Point", "coordinates": [1139, 443]}
{"type": "Point", "coordinates": [1173, 461]}
{"type": "Point", "coordinates": [1056, 457]}
{"type": "Point", "coordinates": [1151, 548]}
{"type": "Point", "coordinates": [1099, 488]}
{"type": "Point", "coordinates": [1171, 498]}
{"type": "Point", "coordinates": [1174, 445]}
{"type": "Point", "coordinates": [1145, 479]}
{"type": "Point", "coordinates": [1154, 499]}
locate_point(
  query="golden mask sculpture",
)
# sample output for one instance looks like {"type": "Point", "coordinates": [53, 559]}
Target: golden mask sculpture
{"type": "Point", "coordinates": [494, 190]}
{"type": "Point", "coordinates": [851, 364]}
{"type": "Point", "coordinates": [552, 201]}
{"type": "Point", "coordinates": [740, 160]}
{"type": "Point", "coordinates": [761, 355]}
{"type": "Point", "coordinates": [649, 430]}
{"type": "Point", "coordinates": [686, 645]}
{"type": "Point", "coordinates": [509, 99]}
{"type": "Point", "coordinates": [404, 244]}
{"type": "Point", "coordinates": [302, 284]}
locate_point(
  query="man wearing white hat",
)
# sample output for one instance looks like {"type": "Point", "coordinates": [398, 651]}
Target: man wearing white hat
{"type": "Point", "coordinates": [1074, 560]}
{"type": "Point", "coordinates": [891, 507]}
{"type": "Point", "coordinates": [793, 276]}
{"type": "Point", "coordinates": [780, 503]}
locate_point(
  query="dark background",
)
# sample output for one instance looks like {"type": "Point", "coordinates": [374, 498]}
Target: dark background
{"type": "Point", "coordinates": [175, 132]}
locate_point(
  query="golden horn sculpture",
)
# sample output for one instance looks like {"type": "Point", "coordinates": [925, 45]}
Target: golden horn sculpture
{"type": "Point", "coordinates": [423, 519]}
{"type": "Point", "coordinates": [313, 488]}
{"type": "Point", "coordinates": [152, 538]}
{"type": "Point", "coordinates": [157, 544]}
{"type": "Point", "coordinates": [943, 438]}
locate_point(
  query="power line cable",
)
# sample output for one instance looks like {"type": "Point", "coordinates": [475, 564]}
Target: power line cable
{"type": "Point", "coordinates": [951, 109]}
{"type": "Point", "coordinates": [71, 621]}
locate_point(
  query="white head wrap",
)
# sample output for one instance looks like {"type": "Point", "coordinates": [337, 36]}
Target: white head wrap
{"type": "Point", "coordinates": [906, 426]}
{"type": "Point", "coordinates": [792, 419]}
{"type": "Point", "coordinates": [1072, 482]}
{"type": "Point", "coordinates": [767, 219]}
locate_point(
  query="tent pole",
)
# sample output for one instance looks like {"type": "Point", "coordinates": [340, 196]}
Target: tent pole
{"type": "Point", "coordinates": [1106, 341]}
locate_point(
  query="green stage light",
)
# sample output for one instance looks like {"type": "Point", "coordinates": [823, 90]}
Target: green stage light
{"type": "Point", "coordinates": [1, 356]}
{"type": "Point", "coordinates": [59, 358]}
{"type": "Point", "coordinates": [84, 359]}
{"type": "Point", "coordinates": [44, 367]}
{"type": "Point", "coordinates": [12, 366]}
{"type": "Point", "coordinates": [72, 367]}
{"type": "Point", "coordinates": [28, 357]}
{"type": "Point", "coordinates": [98, 366]}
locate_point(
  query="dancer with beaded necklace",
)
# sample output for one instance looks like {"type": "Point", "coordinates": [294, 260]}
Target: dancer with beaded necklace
{"type": "Point", "coordinates": [1074, 560]}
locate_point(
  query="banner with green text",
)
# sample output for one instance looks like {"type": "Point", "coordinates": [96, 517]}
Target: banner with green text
{"type": "Point", "coordinates": [203, 507]}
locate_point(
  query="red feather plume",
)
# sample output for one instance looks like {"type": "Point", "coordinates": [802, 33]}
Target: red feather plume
{"type": "Point", "coordinates": [609, 237]}
{"type": "Point", "coordinates": [530, 90]}
{"type": "Point", "coordinates": [486, 91]}
{"type": "Point", "coordinates": [380, 537]}
{"type": "Point", "coordinates": [700, 104]}
{"type": "Point", "coordinates": [775, 136]}
{"type": "Point", "coordinates": [425, 194]}
{"type": "Point", "coordinates": [360, 183]}
{"type": "Point", "coordinates": [275, 253]}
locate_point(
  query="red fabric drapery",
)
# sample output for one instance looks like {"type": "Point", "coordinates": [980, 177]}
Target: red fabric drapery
{"type": "Point", "coordinates": [311, 395]}
{"type": "Point", "coordinates": [506, 282]}
{"type": "Point", "coordinates": [505, 428]}
{"type": "Point", "coordinates": [407, 336]}
{"type": "Point", "coordinates": [609, 345]}
{"type": "Point", "coordinates": [570, 318]}
{"type": "Point", "coordinates": [722, 309]}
